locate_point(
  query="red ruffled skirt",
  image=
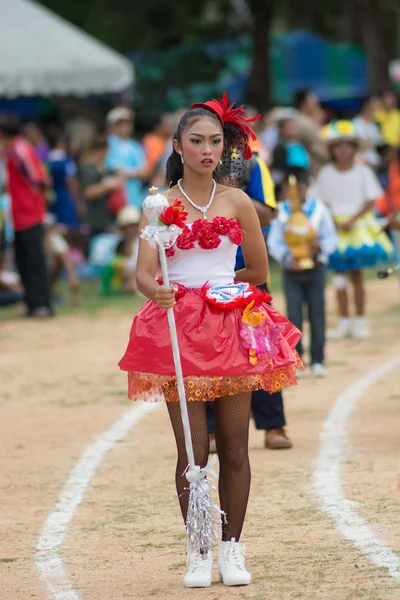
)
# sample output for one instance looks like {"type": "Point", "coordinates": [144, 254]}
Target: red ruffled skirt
{"type": "Point", "coordinates": [215, 362]}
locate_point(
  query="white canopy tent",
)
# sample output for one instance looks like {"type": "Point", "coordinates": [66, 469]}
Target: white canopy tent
{"type": "Point", "coordinates": [41, 54]}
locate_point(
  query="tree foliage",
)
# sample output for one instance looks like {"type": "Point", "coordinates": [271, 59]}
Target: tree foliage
{"type": "Point", "coordinates": [157, 25]}
{"type": "Point", "coordinates": [150, 24]}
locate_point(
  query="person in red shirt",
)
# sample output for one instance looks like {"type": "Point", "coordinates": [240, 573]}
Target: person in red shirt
{"type": "Point", "coordinates": [27, 182]}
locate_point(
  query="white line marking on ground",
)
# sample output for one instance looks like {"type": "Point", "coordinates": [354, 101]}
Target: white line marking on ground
{"type": "Point", "coordinates": [326, 476]}
{"type": "Point", "coordinates": [48, 561]}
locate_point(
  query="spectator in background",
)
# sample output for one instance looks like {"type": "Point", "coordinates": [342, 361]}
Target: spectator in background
{"type": "Point", "coordinates": [369, 130]}
{"type": "Point", "coordinates": [119, 275]}
{"type": "Point", "coordinates": [394, 224]}
{"type": "Point", "coordinates": [126, 156]}
{"type": "Point", "coordinates": [11, 291]}
{"type": "Point", "coordinates": [388, 118]}
{"type": "Point", "coordinates": [269, 133]}
{"type": "Point", "coordinates": [155, 142]}
{"type": "Point", "coordinates": [80, 130]}
{"type": "Point", "coordinates": [128, 223]}
{"type": "Point", "coordinates": [350, 190]}
{"type": "Point", "coordinates": [321, 116]}
{"type": "Point", "coordinates": [27, 183]}
{"type": "Point", "coordinates": [308, 108]}
{"type": "Point", "coordinates": [37, 139]}
{"type": "Point", "coordinates": [289, 151]}
{"type": "Point", "coordinates": [58, 260]}
{"type": "Point", "coordinates": [68, 206]}
{"type": "Point", "coordinates": [98, 184]}
{"type": "Point", "coordinates": [386, 155]}
{"type": "Point", "coordinates": [159, 176]}
{"type": "Point", "coordinates": [305, 285]}
{"type": "Point", "coordinates": [389, 203]}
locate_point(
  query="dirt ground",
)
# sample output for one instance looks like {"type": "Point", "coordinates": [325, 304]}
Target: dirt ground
{"type": "Point", "coordinates": [60, 388]}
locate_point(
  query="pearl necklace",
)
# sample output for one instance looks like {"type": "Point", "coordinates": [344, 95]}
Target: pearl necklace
{"type": "Point", "coordinates": [202, 209]}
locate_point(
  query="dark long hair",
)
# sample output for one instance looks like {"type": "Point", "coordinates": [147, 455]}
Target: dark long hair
{"type": "Point", "coordinates": [235, 140]}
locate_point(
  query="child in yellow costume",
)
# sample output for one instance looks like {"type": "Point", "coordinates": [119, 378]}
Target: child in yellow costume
{"type": "Point", "coordinates": [350, 190]}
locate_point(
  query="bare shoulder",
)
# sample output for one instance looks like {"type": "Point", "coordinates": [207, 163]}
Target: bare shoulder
{"type": "Point", "coordinates": [171, 194]}
{"type": "Point", "coordinates": [239, 199]}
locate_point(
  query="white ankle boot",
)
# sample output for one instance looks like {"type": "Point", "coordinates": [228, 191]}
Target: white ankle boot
{"type": "Point", "coordinates": [342, 331]}
{"type": "Point", "coordinates": [231, 563]}
{"type": "Point", "coordinates": [360, 328]}
{"type": "Point", "coordinates": [199, 570]}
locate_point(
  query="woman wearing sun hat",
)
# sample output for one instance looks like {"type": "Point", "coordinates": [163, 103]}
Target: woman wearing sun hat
{"type": "Point", "coordinates": [350, 190]}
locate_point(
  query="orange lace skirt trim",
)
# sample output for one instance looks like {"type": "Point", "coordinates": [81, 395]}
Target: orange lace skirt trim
{"type": "Point", "coordinates": [155, 388]}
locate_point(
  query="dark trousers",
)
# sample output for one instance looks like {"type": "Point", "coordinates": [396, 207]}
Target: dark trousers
{"type": "Point", "coordinates": [307, 288]}
{"type": "Point", "coordinates": [31, 264]}
{"type": "Point", "coordinates": [267, 410]}
{"type": "Point", "coordinates": [9, 297]}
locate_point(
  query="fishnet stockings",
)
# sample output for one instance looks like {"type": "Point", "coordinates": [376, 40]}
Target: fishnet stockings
{"type": "Point", "coordinates": [232, 416]}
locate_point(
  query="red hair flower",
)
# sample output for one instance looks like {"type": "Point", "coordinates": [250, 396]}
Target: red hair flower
{"type": "Point", "coordinates": [235, 232]}
{"type": "Point", "coordinates": [174, 215]}
{"type": "Point", "coordinates": [186, 239]}
{"type": "Point", "coordinates": [229, 113]}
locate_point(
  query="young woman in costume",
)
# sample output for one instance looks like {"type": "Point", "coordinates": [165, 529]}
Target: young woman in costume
{"type": "Point", "coordinates": [227, 351]}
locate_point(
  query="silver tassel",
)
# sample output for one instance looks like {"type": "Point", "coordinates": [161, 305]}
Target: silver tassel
{"type": "Point", "coordinates": [202, 523]}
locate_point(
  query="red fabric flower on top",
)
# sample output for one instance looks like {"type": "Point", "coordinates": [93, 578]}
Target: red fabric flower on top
{"type": "Point", "coordinates": [235, 232]}
{"type": "Point", "coordinates": [199, 225]}
{"type": "Point", "coordinates": [206, 236]}
{"type": "Point", "coordinates": [186, 239]}
{"type": "Point", "coordinates": [170, 252]}
{"type": "Point", "coordinates": [174, 215]}
{"type": "Point", "coordinates": [221, 225]}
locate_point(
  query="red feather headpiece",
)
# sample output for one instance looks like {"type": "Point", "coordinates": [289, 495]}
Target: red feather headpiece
{"type": "Point", "coordinates": [229, 114]}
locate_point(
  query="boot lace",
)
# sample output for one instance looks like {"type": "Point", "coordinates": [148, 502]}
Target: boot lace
{"type": "Point", "coordinates": [233, 555]}
{"type": "Point", "coordinates": [198, 562]}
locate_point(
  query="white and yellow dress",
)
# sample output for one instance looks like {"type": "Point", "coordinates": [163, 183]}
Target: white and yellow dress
{"type": "Point", "coordinates": [346, 193]}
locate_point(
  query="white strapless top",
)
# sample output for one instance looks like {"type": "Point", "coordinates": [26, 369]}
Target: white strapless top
{"type": "Point", "coordinates": [196, 266]}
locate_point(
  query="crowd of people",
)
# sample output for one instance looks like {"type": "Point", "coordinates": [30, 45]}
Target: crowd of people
{"type": "Point", "coordinates": [71, 208]}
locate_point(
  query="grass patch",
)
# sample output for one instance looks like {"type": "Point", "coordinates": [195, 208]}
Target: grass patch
{"type": "Point", "coordinates": [91, 302]}
{"type": "Point", "coordinates": [177, 566]}
{"type": "Point", "coordinates": [301, 513]}
{"type": "Point", "coordinates": [151, 545]}
{"type": "Point", "coordinates": [8, 560]}
{"type": "Point", "coordinates": [360, 593]}
{"type": "Point", "coordinates": [93, 527]}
